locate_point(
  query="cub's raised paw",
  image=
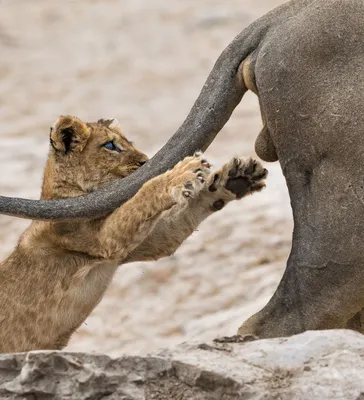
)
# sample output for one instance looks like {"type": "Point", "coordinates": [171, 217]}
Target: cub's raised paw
{"type": "Point", "coordinates": [240, 176]}
{"type": "Point", "coordinates": [189, 177]}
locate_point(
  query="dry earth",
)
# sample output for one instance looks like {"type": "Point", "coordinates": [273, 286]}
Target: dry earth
{"type": "Point", "coordinates": [144, 62]}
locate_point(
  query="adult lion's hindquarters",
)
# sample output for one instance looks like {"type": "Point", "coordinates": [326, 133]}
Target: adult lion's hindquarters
{"type": "Point", "coordinates": [310, 77]}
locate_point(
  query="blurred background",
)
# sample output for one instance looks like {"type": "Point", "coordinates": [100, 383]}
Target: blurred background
{"type": "Point", "coordinates": [143, 62]}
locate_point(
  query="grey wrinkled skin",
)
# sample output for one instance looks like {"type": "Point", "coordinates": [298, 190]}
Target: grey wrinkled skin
{"type": "Point", "coordinates": [309, 74]}
{"type": "Point", "coordinates": [306, 62]}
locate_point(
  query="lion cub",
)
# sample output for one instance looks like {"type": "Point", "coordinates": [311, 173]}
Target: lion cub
{"type": "Point", "coordinates": [59, 271]}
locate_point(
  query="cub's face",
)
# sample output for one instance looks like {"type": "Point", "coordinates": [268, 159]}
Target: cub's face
{"type": "Point", "coordinates": [84, 156]}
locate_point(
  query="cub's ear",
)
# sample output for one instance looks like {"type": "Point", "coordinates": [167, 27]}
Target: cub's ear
{"type": "Point", "coordinates": [111, 123]}
{"type": "Point", "coordinates": [69, 134]}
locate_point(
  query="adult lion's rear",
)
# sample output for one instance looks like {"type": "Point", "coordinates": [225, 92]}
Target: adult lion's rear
{"type": "Point", "coordinates": [309, 75]}
{"type": "Point", "coordinates": [305, 60]}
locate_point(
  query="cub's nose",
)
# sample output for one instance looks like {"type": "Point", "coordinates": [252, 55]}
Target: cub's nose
{"type": "Point", "coordinates": [140, 163]}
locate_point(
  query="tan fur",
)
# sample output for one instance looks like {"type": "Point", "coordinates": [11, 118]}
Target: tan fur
{"type": "Point", "coordinates": [59, 271]}
{"type": "Point", "coordinates": [264, 146]}
{"type": "Point", "coordinates": [246, 71]}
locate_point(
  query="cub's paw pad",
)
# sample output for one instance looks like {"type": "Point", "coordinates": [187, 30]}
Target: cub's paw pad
{"type": "Point", "coordinates": [245, 176]}
{"type": "Point", "coordinates": [217, 205]}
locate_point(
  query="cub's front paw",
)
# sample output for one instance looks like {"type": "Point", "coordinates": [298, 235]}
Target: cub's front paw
{"type": "Point", "coordinates": [240, 176]}
{"type": "Point", "coordinates": [188, 178]}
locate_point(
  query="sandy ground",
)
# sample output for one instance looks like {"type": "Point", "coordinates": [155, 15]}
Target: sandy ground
{"type": "Point", "coordinates": [144, 62]}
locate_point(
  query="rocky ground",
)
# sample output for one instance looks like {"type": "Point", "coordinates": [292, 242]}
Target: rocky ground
{"type": "Point", "coordinates": [313, 365]}
{"type": "Point", "coordinates": [144, 62]}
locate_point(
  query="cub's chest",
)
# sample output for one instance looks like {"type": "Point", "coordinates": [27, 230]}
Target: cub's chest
{"type": "Point", "coordinates": [89, 285]}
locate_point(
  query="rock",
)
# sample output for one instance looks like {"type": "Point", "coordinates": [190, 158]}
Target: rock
{"type": "Point", "coordinates": [314, 365]}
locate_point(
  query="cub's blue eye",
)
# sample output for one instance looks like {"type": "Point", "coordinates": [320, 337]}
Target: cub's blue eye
{"type": "Point", "coordinates": [111, 146]}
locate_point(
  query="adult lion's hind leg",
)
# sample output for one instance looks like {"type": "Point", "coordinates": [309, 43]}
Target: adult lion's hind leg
{"type": "Point", "coordinates": [356, 323]}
